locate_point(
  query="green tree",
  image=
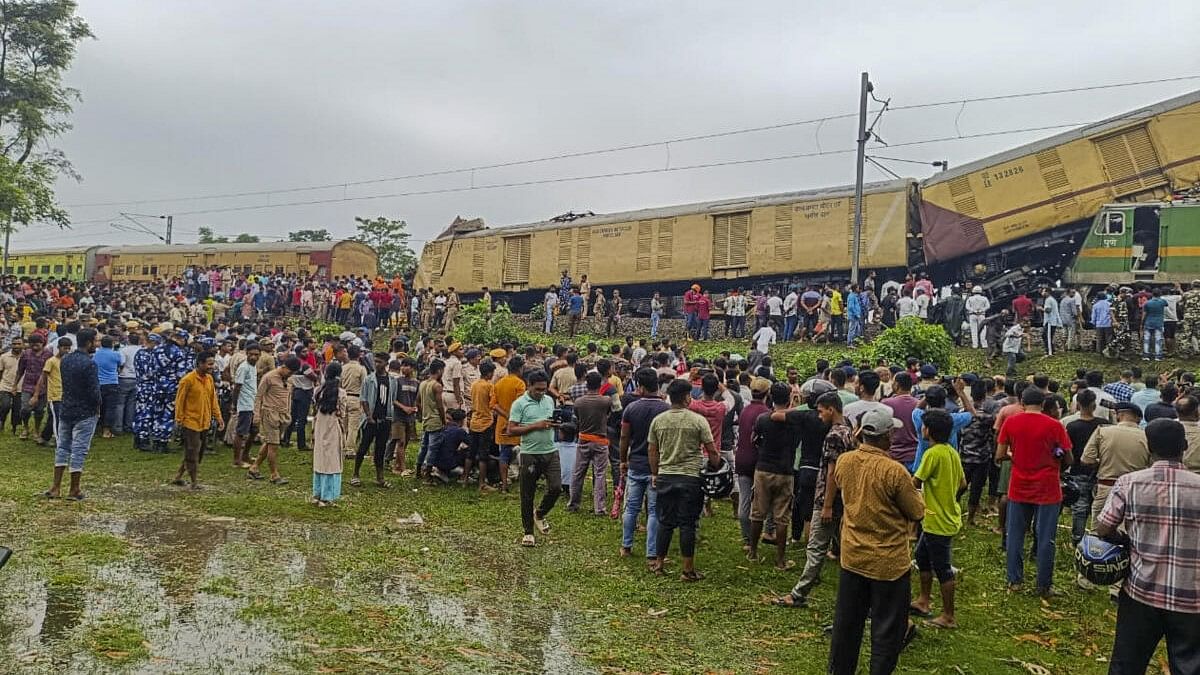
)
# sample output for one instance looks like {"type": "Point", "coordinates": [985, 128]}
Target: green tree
{"type": "Point", "coordinates": [38, 40]}
{"type": "Point", "coordinates": [310, 235]}
{"type": "Point", "coordinates": [390, 240]}
{"type": "Point", "coordinates": [207, 236]}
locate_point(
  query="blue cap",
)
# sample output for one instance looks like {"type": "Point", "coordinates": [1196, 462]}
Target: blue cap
{"type": "Point", "coordinates": [154, 337]}
{"type": "Point", "coordinates": [183, 334]}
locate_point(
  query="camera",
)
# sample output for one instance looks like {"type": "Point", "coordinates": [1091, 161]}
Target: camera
{"type": "Point", "coordinates": [1111, 405]}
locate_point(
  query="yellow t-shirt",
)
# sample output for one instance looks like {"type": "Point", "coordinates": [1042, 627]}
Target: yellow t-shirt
{"type": "Point", "coordinates": [835, 304]}
{"type": "Point", "coordinates": [53, 379]}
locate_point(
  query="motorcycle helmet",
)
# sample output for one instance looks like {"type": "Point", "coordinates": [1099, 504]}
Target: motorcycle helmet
{"type": "Point", "coordinates": [1101, 562]}
{"type": "Point", "coordinates": [718, 483]}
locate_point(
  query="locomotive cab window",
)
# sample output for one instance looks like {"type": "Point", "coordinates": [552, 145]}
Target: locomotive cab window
{"type": "Point", "coordinates": [1111, 224]}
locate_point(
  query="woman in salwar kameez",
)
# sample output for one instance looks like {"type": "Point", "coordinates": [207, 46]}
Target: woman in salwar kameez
{"type": "Point", "coordinates": [328, 437]}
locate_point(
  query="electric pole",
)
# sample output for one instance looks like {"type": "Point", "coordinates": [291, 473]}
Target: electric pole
{"type": "Point", "coordinates": [856, 240]}
{"type": "Point", "coordinates": [170, 222]}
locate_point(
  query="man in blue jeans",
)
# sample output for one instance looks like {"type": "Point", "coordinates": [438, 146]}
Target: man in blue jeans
{"type": "Point", "coordinates": [79, 413]}
{"type": "Point", "coordinates": [635, 462]}
{"type": "Point", "coordinates": [1039, 449]}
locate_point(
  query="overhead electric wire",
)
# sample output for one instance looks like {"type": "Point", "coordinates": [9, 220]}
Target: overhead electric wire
{"type": "Point", "coordinates": [614, 174]}
{"type": "Point", "coordinates": [620, 148]}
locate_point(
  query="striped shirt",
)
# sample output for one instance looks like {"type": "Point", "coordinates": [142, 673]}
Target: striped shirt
{"type": "Point", "coordinates": [1160, 509]}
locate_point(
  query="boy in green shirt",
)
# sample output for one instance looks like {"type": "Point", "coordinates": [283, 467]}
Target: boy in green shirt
{"type": "Point", "coordinates": [940, 476]}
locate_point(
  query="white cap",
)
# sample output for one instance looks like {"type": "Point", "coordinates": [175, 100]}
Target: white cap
{"type": "Point", "coordinates": [977, 289]}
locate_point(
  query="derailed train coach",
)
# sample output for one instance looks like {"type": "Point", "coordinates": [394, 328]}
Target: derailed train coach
{"type": "Point", "coordinates": [792, 237]}
{"type": "Point", "coordinates": [1009, 221]}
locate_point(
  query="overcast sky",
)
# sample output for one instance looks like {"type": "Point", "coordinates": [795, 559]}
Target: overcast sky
{"type": "Point", "coordinates": [201, 97]}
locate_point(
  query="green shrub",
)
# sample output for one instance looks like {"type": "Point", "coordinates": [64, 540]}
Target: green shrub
{"type": "Point", "coordinates": [476, 325]}
{"type": "Point", "coordinates": [912, 337]}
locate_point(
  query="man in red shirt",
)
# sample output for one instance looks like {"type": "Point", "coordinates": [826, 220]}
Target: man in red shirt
{"type": "Point", "coordinates": [1039, 449]}
{"type": "Point", "coordinates": [1022, 307]}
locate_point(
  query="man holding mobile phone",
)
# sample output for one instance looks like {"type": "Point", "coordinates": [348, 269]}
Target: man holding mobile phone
{"type": "Point", "coordinates": [531, 419]}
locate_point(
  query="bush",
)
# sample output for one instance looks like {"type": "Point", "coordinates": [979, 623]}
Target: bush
{"type": "Point", "coordinates": [912, 337]}
{"type": "Point", "coordinates": [476, 325]}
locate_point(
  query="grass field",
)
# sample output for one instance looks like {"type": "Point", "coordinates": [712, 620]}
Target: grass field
{"type": "Point", "coordinates": [247, 577]}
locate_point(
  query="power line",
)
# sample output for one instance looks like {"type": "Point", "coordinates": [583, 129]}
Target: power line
{"type": "Point", "coordinates": [621, 148]}
{"type": "Point", "coordinates": [614, 174]}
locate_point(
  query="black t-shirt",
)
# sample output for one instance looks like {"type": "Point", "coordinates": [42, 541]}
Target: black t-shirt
{"type": "Point", "coordinates": [777, 442]}
{"type": "Point", "coordinates": [1079, 431]}
{"type": "Point", "coordinates": [1160, 410]}
{"type": "Point", "coordinates": [638, 415]}
{"type": "Point", "coordinates": [812, 436]}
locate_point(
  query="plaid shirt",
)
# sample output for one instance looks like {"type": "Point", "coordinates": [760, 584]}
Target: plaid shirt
{"type": "Point", "coordinates": [1160, 509]}
{"type": "Point", "coordinates": [1119, 390]}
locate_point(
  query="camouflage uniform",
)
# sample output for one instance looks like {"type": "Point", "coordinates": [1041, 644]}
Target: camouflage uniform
{"type": "Point", "coordinates": [1188, 331]}
{"type": "Point", "coordinates": [1122, 342]}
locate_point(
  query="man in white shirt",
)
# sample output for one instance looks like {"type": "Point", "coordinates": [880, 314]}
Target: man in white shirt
{"type": "Point", "coordinates": [775, 309]}
{"type": "Point", "coordinates": [789, 314]}
{"type": "Point", "coordinates": [550, 304]}
{"type": "Point", "coordinates": [126, 386]}
{"type": "Point", "coordinates": [977, 308]}
{"type": "Point", "coordinates": [735, 314]}
{"type": "Point", "coordinates": [763, 338]}
{"type": "Point", "coordinates": [1070, 310]}
{"type": "Point", "coordinates": [906, 307]}
{"type": "Point", "coordinates": [922, 301]}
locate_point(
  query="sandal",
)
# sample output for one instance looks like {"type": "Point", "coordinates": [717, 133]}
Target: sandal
{"type": "Point", "coordinates": [691, 577]}
{"type": "Point", "coordinates": [356, 481]}
{"type": "Point", "coordinates": [179, 482]}
{"type": "Point", "coordinates": [528, 541]}
{"type": "Point", "coordinates": [77, 498]}
{"type": "Point", "coordinates": [789, 600]}
{"type": "Point", "coordinates": [383, 485]}
{"type": "Point", "coordinates": [253, 475]}
{"type": "Point", "coordinates": [279, 481]}
{"type": "Point", "coordinates": [49, 495]}
{"type": "Point", "coordinates": [917, 611]}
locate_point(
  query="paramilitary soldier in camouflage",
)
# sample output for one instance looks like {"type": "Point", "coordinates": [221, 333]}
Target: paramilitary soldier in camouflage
{"type": "Point", "coordinates": [1122, 343]}
{"type": "Point", "coordinates": [1189, 321]}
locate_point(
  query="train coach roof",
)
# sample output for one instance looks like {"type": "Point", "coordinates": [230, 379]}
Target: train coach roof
{"type": "Point", "coordinates": [67, 250]}
{"type": "Point", "coordinates": [718, 206]}
{"type": "Point", "coordinates": [265, 247]}
{"type": "Point", "coordinates": [1086, 131]}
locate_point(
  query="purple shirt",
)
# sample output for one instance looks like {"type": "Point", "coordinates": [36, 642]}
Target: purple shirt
{"type": "Point", "coordinates": [904, 440]}
{"type": "Point", "coordinates": [31, 363]}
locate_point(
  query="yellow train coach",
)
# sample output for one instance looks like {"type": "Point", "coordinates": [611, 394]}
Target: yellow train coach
{"type": "Point", "coordinates": [325, 259]}
{"type": "Point", "coordinates": [1042, 195]}
{"type": "Point", "coordinates": [723, 244]}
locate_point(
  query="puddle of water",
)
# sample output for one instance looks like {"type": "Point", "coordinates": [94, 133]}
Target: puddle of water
{"type": "Point", "coordinates": [536, 634]}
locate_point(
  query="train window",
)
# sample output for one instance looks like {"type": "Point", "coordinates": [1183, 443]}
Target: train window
{"type": "Point", "coordinates": [58, 269]}
{"type": "Point", "coordinates": [20, 270]}
{"type": "Point", "coordinates": [45, 269]}
{"type": "Point", "coordinates": [1111, 224]}
{"type": "Point", "coordinates": [145, 270]}
{"type": "Point", "coordinates": [279, 269]}
{"type": "Point", "coordinates": [154, 270]}
{"type": "Point", "coordinates": [731, 232]}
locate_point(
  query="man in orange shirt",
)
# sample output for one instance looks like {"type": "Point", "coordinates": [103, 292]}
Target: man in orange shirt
{"type": "Point", "coordinates": [505, 392]}
{"type": "Point", "coordinates": [196, 407]}
{"type": "Point", "coordinates": [480, 425]}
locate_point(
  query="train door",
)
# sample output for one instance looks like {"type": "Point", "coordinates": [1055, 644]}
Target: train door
{"type": "Point", "coordinates": [1145, 250]}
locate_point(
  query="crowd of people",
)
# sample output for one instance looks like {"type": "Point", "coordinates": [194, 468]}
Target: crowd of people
{"type": "Point", "coordinates": [1123, 321]}
{"type": "Point", "coordinates": [855, 463]}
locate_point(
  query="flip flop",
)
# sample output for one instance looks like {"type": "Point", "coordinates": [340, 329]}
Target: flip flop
{"type": "Point", "coordinates": [356, 482]}
{"type": "Point", "coordinates": [383, 485]}
{"type": "Point", "coordinates": [77, 498]}
{"type": "Point", "coordinates": [528, 541]}
{"type": "Point", "coordinates": [917, 611]}
{"type": "Point", "coordinates": [934, 623]}
{"type": "Point", "coordinates": [179, 482]}
{"type": "Point", "coordinates": [691, 577]}
{"type": "Point", "coordinates": [48, 495]}
{"type": "Point", "coordinates": [279, 481]}
{"type": "Point", "coordinates": [253, 475]}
